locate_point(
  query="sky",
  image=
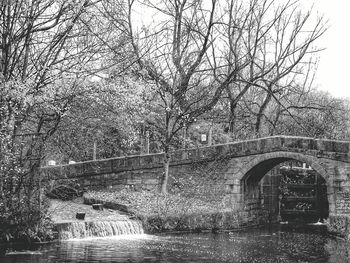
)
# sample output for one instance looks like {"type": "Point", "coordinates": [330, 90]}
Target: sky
{"type": "Point", "coordinates": [333, 74]}
{"type": "Point", "coordinates": [334, 69]}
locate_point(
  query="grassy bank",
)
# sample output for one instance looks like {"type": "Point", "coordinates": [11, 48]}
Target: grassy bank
{"type": "Point", "coordinates": [65, 211]}
{"type": "Point", "coordinates": [175, 212]}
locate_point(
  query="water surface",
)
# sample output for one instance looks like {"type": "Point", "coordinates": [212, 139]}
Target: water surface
{"type": "Point", "coordinates": [254, 245]}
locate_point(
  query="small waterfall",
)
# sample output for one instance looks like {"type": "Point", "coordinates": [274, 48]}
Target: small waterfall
{"type": "Point", "coordinates": [82, 229]}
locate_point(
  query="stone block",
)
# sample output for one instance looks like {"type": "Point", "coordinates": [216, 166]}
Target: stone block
{"type": "Point", "coordinates": [52, 173]}
{"type": "Point", "coordinates": [118, 163]}
{"type": "Point", "coordinates": [236, 149]}
{"type": "Point", "coordinates": [150, 181]}
{"type": "Point", "coordinates": [95, 167]}
{"type": "Point", "coordinates": [262, 145]}
{"type": "Point", "coordinates": [146, 161]}
{"type": "Point", "coordinates": [306, 143]}
{"type": "Point", "coordinates": [80, 216]}
{"type": "Point", "coordinates": [132, 162]}
{"type": "Point", "coordinates": [207, 153]}
{"type": "Point", "coordinates": [134, 181]}
{"type": "Point", "coordinates": [158, 160]}
{"type": "Point", "coordinates": [149, 187]}
{"type": "Point", "coordinates": [291, 143]}
{"type": "Point", "coordinates": [73, 170]}
{"type": "Point", "coordinates": [253, 146]}
{"type": "Point", "coordinates": [325, 145]}
{"type": "Point", "coordinates": [117, 187]}
{"type": "Point", "coordinates": [104, 166]}
{"type": "Point", "coordinates": [120, 181]}
{"type": "Point", "coordinates": [177, 156]}
{"type": "Point", "coordinates": [276, 143]}
{"type": "Point", "coordinates": [341, 147]}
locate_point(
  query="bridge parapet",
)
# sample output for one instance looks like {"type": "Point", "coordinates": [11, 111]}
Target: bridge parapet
{"type": "Point", "coordinates": [104, 166]}
{"type": "Point", "coordinates": [335, 150]}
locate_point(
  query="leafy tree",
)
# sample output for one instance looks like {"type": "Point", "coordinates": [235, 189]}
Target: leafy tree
{"type": "Point", "coordinates": [109, 113]}
{"type": "Point", "coordinates": [40, 72]}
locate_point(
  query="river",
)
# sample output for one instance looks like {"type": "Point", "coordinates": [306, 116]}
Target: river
{"type": "Point", "coordinates": [253, 245]}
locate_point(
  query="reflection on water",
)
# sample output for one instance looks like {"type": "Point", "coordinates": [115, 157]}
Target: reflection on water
{"type": "Point", "coordinates": [255, 245]}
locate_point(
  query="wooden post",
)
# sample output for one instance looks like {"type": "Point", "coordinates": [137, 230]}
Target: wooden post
{"type": "Point", "coordinates": [94, 151]}
{"type": "Point", "coordinates": [210, 134]}
{"type": "Point", "coordinates": [147, 142]}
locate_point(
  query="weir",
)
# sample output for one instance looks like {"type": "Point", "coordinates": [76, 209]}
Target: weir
{"type": "Point", "coordinates": [83, 229]}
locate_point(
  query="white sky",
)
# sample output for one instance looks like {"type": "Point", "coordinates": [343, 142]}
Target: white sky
{"type": "Point", "coordinates": [334, 69]}
{"type": "Point", "coordinates": [333, 73]}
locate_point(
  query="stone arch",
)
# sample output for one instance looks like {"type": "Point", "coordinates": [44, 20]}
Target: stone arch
{"type": "Point", "coordinates": [256, 168]}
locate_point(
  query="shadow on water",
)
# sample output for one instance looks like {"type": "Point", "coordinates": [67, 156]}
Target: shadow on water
{"type": "Point", "coordinates": [284, 243]}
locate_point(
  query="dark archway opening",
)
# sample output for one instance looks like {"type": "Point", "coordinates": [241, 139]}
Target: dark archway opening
{"type": "Point", "coordinates": [288, 190]}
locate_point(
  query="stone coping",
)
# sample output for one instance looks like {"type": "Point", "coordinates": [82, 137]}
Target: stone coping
{"type": "Point", "coordinates": [248, 147]}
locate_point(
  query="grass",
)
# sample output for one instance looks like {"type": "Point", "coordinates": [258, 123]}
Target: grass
{"type": "Point", "coordinates": [65, 211]}
{"type": "Point", "coordinates": [158, 212]}
{"type": "Point", "coordinates": [153, 203]}
{"type": "Point", "coordinates": [171, 212]}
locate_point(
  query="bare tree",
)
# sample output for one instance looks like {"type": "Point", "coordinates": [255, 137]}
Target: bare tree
{"type": "Point", "coordinates": [194, 52]}
{"type": "Point", "coordinates": [278, 41]}
{"type": "Point", "coordinates": [316, 114]}
{"type": "Point", "coordinates": [172, 54]}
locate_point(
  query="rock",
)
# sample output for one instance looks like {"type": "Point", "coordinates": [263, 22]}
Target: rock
{"type": "Point", "coordinates": [80, 216]}
{"type": "Point", "coordinates": [97, 206]}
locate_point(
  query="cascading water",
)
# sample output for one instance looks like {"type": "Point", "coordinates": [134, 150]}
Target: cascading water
{"type": "Point", "coordinates": [82, 229]}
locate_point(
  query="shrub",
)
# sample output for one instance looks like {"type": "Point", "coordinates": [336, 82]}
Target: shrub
{"type": "Point", "coordinates": [22, 205]}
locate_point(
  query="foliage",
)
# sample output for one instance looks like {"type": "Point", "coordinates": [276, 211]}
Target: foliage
{"type": "Point", "coordinates": [39, 52]}
{"type": "Point", "coordinates": [110, 113]}
{"type": "Point", "coordinates": [22, 204]}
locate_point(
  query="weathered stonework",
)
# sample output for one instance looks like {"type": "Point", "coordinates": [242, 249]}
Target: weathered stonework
{"type": "Point", "coordinates": [228, 171]}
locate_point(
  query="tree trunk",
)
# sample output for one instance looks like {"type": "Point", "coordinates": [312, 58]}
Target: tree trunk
{"type": "Point", "coordinates": [233, 106]}
{"type": "Point", "coordinates": [165, 176]}
{"type": "Point", "coordinates": [261, 112]}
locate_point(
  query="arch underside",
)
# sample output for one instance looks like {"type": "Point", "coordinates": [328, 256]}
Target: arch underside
{"type": "Point", "coordinates": [255, 170]}
{"type": "Point", "coordinates": [256, 173]}
{"type": "Point", "coordinates": [267, 161]}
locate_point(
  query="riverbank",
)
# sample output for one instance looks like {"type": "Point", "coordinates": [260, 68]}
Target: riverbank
{"type": "Point", "coordinates": [65, 211]}
{"type": "Point", "coordinates": [163, 214]}
{"type": "Point", "coordinates": [168, 213]}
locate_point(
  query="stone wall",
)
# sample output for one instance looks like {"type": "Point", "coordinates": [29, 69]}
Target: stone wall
{"type": "Point", "coordinates": [133, 172]}
{"type": "Point", "coordinates": [229, 172]}
{"type": "Point", "coordinates": [339, 225]}
{"type": "Point", "coordinates": [343, 203]}
{"type": "Point", "coordinates": [203, 179]}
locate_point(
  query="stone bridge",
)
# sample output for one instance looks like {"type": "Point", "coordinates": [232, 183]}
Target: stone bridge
{"type": "Point", "coordinates": [229, 171]}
